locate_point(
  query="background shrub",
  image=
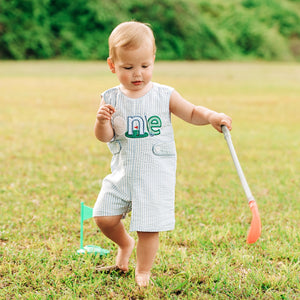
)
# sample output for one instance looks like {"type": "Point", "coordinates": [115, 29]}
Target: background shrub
{"type": "Point", "coordinates": [184, 29]}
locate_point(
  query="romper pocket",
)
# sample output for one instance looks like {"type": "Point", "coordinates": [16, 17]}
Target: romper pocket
{"type": "Point", "coordinates": [164, 149]}
{"type": "Point", "coordinates": [114, 147]}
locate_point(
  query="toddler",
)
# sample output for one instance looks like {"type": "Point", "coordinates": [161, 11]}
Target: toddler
{"type": "Point", "coordinates": [134, 118]}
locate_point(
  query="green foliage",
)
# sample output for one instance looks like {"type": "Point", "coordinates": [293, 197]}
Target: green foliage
{"type": "Point", "coordinates": [25, 30]}
{"type": "Point", "coordinates": [184, 29]}
{"type": "Point", "coordinates": [81, 28]}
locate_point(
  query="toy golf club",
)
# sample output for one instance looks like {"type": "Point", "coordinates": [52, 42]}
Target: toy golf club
{"type": "Point", "coordinates": [87, 213]}
{"type": "Point", "coordinates": [255, 227]}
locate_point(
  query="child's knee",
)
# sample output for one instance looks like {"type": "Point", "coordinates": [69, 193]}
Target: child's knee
{"type": "Point", "coordinates": [106, 222]}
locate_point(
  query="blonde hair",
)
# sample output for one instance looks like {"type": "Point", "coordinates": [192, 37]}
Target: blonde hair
{"type": "Point", "coordinates": [129, 35]}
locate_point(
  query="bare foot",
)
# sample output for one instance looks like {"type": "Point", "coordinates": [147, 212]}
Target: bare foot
{"type": "Point", "coordinates": [123, 256]}
{"type": "Point", "coordinates": [142, 279]}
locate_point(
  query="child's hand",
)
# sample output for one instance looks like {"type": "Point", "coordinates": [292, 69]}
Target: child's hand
{"type": "Point", "coordinates": [103, 127]}
{"type": "Point", "coordinates": [105, 113]}
{"type": "Point", "coordinates": [219, 119]}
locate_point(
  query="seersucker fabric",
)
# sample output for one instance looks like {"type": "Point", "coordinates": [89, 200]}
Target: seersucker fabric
{"type": "Point", "coordinates": [143, 166]}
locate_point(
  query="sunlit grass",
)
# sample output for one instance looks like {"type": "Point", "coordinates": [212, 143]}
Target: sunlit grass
{"type": "Point", "coordinates": [50, 161]}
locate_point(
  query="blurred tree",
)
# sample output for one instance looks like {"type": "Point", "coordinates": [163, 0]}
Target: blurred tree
{"type": "Point", "coordinates": [25, 29]}
{"type": "Point", "coordinates": [184, 29]}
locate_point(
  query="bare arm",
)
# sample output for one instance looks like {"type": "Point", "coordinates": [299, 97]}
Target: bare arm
{"type": "Point", "coordinates": [197, 115]}
{"type": "Point", "coordinates": [103, 129]}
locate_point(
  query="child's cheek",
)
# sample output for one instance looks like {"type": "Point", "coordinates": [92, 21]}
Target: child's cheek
{"type": "Point", "coordinates": [124, 78]}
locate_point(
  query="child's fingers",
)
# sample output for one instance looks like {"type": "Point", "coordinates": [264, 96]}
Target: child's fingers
{"type": "Point", "coordinates": [111, 107]}
{"type": "Point", "coordinates": [108, 108]}
{"type": "Point", "coordinates": [105, 112]}
{"type": "Point", "coordinates": [102, 114]}
{"type": "Point", "coordinates": [220, 120]}
{"type": "Point", "coordinates": [227, 122]}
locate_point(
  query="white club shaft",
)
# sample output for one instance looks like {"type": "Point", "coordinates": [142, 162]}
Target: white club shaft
{"type": "Point", "coordinates": [237, 164]}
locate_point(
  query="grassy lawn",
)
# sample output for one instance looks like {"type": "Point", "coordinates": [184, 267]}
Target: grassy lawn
{"type": "Point", "coordinates": [50, 161]}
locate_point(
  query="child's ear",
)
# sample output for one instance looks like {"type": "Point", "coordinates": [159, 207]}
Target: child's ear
{"type": "Point", "coordinates": [111, 65]}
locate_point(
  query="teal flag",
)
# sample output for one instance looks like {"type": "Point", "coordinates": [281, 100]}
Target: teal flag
{"type": "Point", "coordinates": [86, 212]}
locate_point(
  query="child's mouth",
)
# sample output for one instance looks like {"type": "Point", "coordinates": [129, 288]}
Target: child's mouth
{"type": "Point", "coordinates": [137, 82]}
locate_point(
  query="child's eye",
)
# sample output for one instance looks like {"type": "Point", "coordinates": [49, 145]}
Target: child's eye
{"type": "Point", "coordinates": [127, 68]}
{"type": "Point", "coordinates": [145, 67]}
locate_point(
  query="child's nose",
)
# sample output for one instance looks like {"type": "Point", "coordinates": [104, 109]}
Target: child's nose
{"type": "Point", "coordinates": [137, 72]}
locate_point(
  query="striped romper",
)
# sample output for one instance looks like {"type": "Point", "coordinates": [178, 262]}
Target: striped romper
{"type": "Point", "coordinates": [143, 166]}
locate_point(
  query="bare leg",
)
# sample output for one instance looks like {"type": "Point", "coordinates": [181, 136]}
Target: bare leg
{"type": "Point", "coordinates": [147, 247]}
{"type": "Point", "coordinates": [114, 229]}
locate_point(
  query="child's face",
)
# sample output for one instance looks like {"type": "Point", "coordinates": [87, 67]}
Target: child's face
{"type": "Point", "coordinates": [134, 68]}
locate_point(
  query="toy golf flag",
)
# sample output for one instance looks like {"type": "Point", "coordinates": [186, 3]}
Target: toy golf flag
{"type": "Point", "coordinates": [87, 213]}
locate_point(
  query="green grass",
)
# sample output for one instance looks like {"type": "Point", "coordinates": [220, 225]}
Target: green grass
{"type": "Point", "coordinates": [50, 161]}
